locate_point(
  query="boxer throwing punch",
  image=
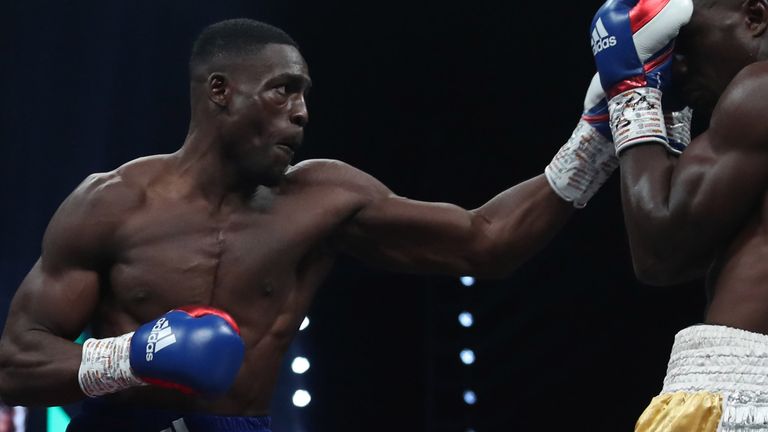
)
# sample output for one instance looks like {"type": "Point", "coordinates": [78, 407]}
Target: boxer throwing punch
{"type": "Point", "coordinates": [701, 213]}
{"type": "Point", "coordinates": [227, 225]}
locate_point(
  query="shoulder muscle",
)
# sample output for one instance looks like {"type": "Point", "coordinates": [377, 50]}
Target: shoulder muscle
{"type": "Point", "coordinates": [739, 121]}
{"type": "Point", "coordinates": [81, 229]}
{"type": "Point", "coordinates": [340, 176]}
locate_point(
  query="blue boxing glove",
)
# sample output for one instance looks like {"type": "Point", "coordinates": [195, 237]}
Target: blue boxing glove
{"type": "Point", "coordinates": [195, 349]}
{"type": "Point", "coordinates": [588, 158]}
{"type": "Point", "coordinates": [632, 41]}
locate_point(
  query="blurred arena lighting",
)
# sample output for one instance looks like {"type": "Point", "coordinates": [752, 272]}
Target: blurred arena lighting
{"type": "Point", "coordinates": [466, 319]}
{"type": "Point", "coordinates": [304, 324]}
{"type": "Point", "coordinates": [470, 398]}
{"type": "Point", "coordinates": [301, 398]}
{"type": "Point", "coordinates": [467, 356]}
{"type": "Point", "coordinates": [300, 365]}
{"type": "Point", "coordinates": [467, 281]}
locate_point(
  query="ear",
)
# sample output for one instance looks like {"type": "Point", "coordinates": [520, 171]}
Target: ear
{"type": "Point", "coordinates": [756, 12]}
{"type": "Point", "coordinates": [218, 89]}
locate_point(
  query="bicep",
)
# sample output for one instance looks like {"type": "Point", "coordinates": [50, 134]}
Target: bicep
{"type": "Point", "coordinates": [680, 214]}
{"type": "Point", "coordinates": [59, 301]}
{"type": "Point", "coordinates": [61, 290]}
{"type": "Point", "coordinates": [411, 235]}
{"type": "Point", "coordinates": [719, 180]}
{"type": "Point", "coordinates": [38, 361]}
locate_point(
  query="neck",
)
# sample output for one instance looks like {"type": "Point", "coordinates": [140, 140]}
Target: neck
{"type": "Point", "coordinates": [210, 173]}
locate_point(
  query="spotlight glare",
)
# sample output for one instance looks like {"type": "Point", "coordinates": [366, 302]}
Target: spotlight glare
{"type": "Point", "coordinates": [300, 365]}
{"type": "Point", "coordinates": [470, 398]}
{"type": "Point", "coordinates": [467, 356]}
{"type": "Point", "coordinates": [304, 324]}
{"type": "Point", "coordinates": [301, 398]}
{"type": "Point", "coordinates": [466, 319]}
{"type": "Point", "coordinates": [467, 281]}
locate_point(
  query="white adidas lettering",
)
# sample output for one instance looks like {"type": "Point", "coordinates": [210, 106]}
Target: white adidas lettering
{"type": "Point", "coordinates": [600, 38]}
{"type": "Point", "coordinates": [159, 337]}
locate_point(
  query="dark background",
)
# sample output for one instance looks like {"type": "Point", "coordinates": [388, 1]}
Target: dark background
{"type": "Point", "coordinates": [444, 101]}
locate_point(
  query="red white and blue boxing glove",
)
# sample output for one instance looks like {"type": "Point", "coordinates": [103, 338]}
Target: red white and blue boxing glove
{"type": "Point", "coordinates": [588, 158]}
{"type": "Point", "coordinates": [632, 42]}
{"type": "Point", "coordinates": [194, 349]}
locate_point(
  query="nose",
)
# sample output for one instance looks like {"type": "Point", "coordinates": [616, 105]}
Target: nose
{"type": "Point", "coordinates": [299, 114]}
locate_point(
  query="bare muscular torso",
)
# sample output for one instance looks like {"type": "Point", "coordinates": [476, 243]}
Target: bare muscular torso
{"type": "Point", "coordinates": [737, 283]}
{"type": "Point", "coordinates": [261, 261]}
{"type": "Point", "coordinates": [706, 212]}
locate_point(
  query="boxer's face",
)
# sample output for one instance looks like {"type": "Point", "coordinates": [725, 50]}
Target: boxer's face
{"type": "Point", "coordinates": [711, 49]}
{"type": "Point", "coordinates": [266, 112]}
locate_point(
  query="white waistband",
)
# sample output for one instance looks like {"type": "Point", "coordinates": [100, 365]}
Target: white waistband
{"type": "Point", "coordinates": [718, 359]}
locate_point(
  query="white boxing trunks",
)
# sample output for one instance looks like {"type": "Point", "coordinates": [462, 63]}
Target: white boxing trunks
{"type": "Point", "coordinates": [717, 381]}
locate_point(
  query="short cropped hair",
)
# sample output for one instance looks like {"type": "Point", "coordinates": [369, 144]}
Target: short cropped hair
{"type": "Point", "coordinates": [235, 37]}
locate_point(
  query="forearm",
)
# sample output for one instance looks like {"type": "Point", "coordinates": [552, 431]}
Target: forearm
{"type": "Point", "coordinates": [665, 243]}
{"type": "Point", "coordinates": [39, 368]}
{"type": "Point", "coordinates": [519, 222]}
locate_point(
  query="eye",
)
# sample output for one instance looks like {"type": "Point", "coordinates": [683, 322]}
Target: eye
{"type": "Point", "coordinates": [282, 90]}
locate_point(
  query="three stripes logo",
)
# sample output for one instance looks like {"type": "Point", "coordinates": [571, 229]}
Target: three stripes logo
{"type": "Point", "coordinates": [160, 337]}
{"type": "Point", "coordinates": [600, 38]}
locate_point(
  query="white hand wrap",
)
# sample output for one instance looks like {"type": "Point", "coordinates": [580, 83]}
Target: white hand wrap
{"type": "Point", "coordinates": [582, 165]}
{"type": "Point", "coordinates": [636, 118]}
{"type": "Point", "coordinates": [678, 124]}
{"type": "Point", "coordinates": [105, 366]}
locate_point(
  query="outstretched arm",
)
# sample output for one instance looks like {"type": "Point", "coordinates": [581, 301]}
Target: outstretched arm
{"type": "Point", "coordinates": [679, 213]}
{"type": "Point", "coordinates": [415, 236]}
{"type": "Point", "coordinates": [494, 239]}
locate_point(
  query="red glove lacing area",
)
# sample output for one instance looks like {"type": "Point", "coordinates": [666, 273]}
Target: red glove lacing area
{"type": "Point", "coordinates": [198, 311]}
{"type": "Point", "coordinates": [640, 81]}
{"type": "Point", "coordinates": [194, 311]}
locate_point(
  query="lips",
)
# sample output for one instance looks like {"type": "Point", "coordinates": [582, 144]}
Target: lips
{"type": "Point", "coordinates": [289, 144]}
{"type": "Point", "coordinates": [287, 148]}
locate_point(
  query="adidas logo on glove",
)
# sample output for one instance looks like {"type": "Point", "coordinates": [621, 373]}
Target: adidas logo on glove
{"type": "Point", "coordinates": [600, 38]}
{"type": "Point", "coordinates": [159, 337]}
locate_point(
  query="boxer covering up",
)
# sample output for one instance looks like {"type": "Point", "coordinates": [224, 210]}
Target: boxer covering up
{"type": "Point", "coordinates": [699, 213]}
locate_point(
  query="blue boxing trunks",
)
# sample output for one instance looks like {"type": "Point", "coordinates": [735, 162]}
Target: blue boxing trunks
{"type": "Point", "coordinates": [99, 416]}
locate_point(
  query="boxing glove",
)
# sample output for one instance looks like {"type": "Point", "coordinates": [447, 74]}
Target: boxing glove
{"type": "Point", "coordinates": [632, 42]}
{"type": "Point", "coordinates": [194, 349]}
{"type": "Point", "coordinates": [588, 158]}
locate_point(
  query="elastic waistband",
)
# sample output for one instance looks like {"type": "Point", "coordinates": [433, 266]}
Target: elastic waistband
{"type": "Point", "coordinates": [718, 359]}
